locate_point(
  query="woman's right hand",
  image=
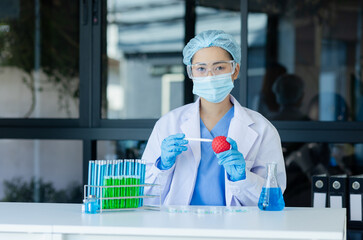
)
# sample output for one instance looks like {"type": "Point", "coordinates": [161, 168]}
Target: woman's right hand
{"type": "Point", "coordinates": [171, 147]}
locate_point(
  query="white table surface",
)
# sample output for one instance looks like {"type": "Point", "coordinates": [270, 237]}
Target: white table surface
{"type": "Point", "coordinates": [67, 219]}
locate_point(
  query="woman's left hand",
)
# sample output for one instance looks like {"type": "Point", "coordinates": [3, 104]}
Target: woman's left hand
{"type": "Point", "coordinates": [233, 162]}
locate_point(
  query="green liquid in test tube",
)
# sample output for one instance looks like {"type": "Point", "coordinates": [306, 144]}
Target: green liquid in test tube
{"type": "Point", "coordinates": [137, 191]}
{"type": "Point", "coordinates": [113, 201]}
{"type": "Point", "coordinates": [122, 191]}
{"type": "Point", "coordinates": [128, 192]}
{"type": "Point", "coordinates": [116, 182]}
{"type": "Point", "coordinates": [133, 191]}
{"type": "Point", "coordinates": [105, 203]}
{"type": "Point", "coordinates": [109, 192]}
{"type": "Point", "coordinates": [121, 201]}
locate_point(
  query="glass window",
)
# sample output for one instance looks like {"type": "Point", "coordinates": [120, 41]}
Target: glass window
{"type": "Point", "coordinates": [225, 17]}
{"type": "Point", "coordinates": [41, 171]}
{"type": "Point", "coordinates": [142, 69]}
{"type": "Point", "coordinates": [39, 55]}
{"type": "Point", "coordinates": [303, 160]}
{"type": "Point", "coordinates": [304, 60]}
{"type": "Point", "coordinates": [121, 149]}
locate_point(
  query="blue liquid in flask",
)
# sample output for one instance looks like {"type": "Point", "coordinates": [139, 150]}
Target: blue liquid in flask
{"type": "Point", "coordinates": [271, 199]}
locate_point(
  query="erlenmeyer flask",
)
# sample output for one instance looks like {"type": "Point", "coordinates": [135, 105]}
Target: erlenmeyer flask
{"type": "Point", "coordinates": [271, 198]}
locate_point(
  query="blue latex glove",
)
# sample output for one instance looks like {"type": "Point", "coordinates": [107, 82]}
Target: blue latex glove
{"type": "Point", "coordinates": [233, 161]}
{"type": "Point", "coordinates": [171, 147]}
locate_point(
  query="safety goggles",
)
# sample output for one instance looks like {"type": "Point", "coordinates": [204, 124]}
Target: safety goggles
{"type": "Point", "coordinates": [216, 68]}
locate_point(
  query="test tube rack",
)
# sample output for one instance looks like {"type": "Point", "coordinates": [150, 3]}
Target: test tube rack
{"type": "Point", "coordinates": [121, 197]}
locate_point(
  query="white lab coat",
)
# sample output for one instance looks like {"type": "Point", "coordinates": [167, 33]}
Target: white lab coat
{"type": "Point", "coordinates": [257, 140]}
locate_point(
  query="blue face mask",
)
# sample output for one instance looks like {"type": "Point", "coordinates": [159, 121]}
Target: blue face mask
{"type": "Point", "coordinates": [213, 88]}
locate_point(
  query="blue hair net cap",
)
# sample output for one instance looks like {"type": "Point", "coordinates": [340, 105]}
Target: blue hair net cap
{"type": "Point", "coordinates": [211, 38]}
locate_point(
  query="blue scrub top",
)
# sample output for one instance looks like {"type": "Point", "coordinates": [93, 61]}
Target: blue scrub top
{"type": "Point", "coordinates": [209, 187]}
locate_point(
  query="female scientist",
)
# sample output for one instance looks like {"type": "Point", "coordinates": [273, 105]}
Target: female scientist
{"type": "Point", "coordinates": [189, 172]}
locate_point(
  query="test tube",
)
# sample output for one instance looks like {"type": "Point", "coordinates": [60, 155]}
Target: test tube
{"type": "Point", "coordinates": [142, 180]}
{"type": "Point", "coordinates": [95, 178]}
{"type": "Point", "coordinates": [123, 182]}
{"type": "Point", "coordinates": [133, 177]}
{"type": "Point", "coordinates": [133, 166]}
{"type": "Point", "coordinates": [138, 174]}
{"type": "Point", "coordinates": [123, 191]}
{"type": "Point", "coordinates": [113, 180]}
{"type": "Point", "coordinates": [126, 189]}
{"type": "Point", "coordinates": [137, 190]}
{"type": "Point", "coordinates": [99, 183]}
{"type": "Point", "coordinates": [105, 204]}
{"type": "Point", "coordinates": [117, 183]}
{"type": "Point", "coordinates": [119, 163]}
{"type": "Point", "coordinates": [128, 182]}
{"type": "Point", "coordinates": [102, 175]}
{"type": "Point", "coordinates": [115, 173]}
{"type": "Point", "coordinates": [91, 166]}
{"type": "Point", "coordinates": [120, 176]}
{"type": "Point", "coordinates": [109, 182]}
{"type": "Point", "coordinates": [132, 189]}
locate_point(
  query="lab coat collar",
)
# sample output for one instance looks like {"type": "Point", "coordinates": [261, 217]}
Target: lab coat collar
{"type": "Point", "coordinates": [240, 113]}
{"type": "Point", "coordinates": [240, 130]}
